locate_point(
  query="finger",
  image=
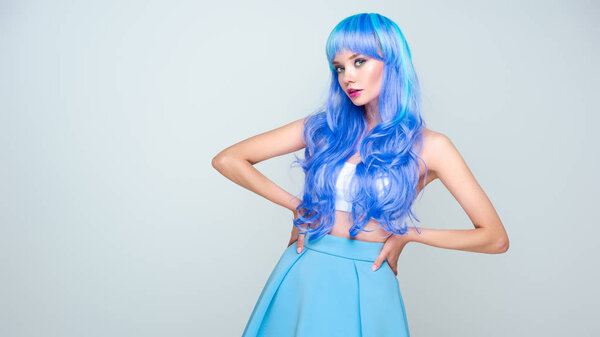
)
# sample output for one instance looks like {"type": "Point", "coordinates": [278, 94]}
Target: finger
{"type": "Point", "coordinates": [300, 243]}
{"type": "Point", "coordinates": [394, 266]}
{"type": "Point", "coordinates": [377, 263]}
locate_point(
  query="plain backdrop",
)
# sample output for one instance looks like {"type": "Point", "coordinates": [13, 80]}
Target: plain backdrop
{"type": "Point", "coordinates": [114, 223]}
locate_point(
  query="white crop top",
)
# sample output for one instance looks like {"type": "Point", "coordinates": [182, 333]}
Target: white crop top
{"type": "Point", "coordinates": [343, 201]}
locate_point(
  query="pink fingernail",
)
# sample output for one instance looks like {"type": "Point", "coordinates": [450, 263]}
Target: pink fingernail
{"type": "Point", "coordinates": [298, 249]}
{"type": "Point", "coordinates": [373, 267]}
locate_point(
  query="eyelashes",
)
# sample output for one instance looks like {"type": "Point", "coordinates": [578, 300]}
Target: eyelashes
{"type": "Point", "coordinates": [357, 60]}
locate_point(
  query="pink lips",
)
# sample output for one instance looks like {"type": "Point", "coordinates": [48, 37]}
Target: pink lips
{"type": "Point", "coordinates": [354, 92]}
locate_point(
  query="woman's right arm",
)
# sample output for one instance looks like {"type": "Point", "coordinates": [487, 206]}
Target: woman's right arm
{"type": "Point", "coordinates": [237, 161]}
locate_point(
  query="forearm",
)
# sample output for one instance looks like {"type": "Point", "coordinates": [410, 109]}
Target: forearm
{"type": "Point", "coordinates": [246, 175]}
{"type": "Point", "coordinates": [479, 240]}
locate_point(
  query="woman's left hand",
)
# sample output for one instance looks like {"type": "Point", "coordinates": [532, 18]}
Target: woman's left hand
{"type": "Point", "coordinates": [391, 252]}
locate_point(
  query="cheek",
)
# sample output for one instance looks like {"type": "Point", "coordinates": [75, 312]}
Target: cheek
{"type": "Point", "coordinates": [375, 77]}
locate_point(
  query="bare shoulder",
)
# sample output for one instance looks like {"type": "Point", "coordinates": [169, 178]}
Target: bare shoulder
{"type": "Point", "coordinates": [434, 141]}
{"type": "Point", "coordinates": [435, 146]}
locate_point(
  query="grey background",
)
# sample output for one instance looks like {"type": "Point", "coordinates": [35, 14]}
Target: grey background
{"type": "Point", "coordinates": [114, 223]}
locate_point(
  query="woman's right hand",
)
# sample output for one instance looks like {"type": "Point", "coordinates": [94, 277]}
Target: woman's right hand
{"type": "Point", "coordinates": [297, 237]}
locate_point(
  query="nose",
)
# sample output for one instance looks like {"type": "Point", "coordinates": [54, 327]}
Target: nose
{"type": "Point", "coordinates": [348, 76]}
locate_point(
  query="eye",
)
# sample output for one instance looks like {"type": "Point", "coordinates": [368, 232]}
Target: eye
{"type": "Point", "coordinates": [361, 61]}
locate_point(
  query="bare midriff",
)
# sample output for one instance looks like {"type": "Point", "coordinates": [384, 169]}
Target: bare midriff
{"type": "Point", "coordinates": [342, 226]}
{"type": "Point", "coordinates": [371, 231]}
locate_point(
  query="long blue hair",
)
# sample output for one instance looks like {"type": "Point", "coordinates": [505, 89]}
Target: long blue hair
{"type": "Point", "coordinates": [338, 129]}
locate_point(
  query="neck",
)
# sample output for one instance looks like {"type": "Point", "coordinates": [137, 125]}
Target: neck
{"type": "Point", "coordinates": [372, 113]}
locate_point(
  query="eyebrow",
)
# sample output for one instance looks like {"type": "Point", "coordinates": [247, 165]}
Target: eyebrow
{"type": "Point", "coordinates": [351, 57]}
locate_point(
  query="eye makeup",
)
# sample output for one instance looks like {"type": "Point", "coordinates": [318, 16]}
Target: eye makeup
{"type": "Point", "coordinates": [357, 60]}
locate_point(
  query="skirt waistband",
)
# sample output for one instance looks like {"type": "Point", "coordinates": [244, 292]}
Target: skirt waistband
{"type": "Point", "coordinates": [344, 247]}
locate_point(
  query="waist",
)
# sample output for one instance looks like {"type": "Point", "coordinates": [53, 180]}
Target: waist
{"type": "Point", "coordinates": [344, 247]}
{"type": "Point", "coordinates": [371, 232]}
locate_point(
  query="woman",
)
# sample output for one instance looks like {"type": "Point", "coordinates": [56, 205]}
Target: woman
{"type": "Point", "coordinates": [367, 156]}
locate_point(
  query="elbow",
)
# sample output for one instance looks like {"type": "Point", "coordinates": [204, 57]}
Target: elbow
{"type": "Point", "coordinates": [500, 246]}
{"type": "Point", "coordinates": [224, 162]}
{"type": "Point", "coordinates": [218, 162]}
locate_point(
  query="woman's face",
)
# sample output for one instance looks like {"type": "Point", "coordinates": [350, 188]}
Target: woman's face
{"type": "Point", "coordinates": [356, 71]}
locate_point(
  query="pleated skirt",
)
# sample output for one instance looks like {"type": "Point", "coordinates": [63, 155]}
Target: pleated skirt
{"type": "Point", "coordinates": [329, 290]}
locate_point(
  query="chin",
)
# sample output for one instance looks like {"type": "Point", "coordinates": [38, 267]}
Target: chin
{"type": "Point", "coordinates": [360, 102]}
{"type": "Point", "coordinates": [357, 102]}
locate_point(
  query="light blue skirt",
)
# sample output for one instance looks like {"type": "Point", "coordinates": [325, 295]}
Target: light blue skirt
{"type": "Point", "coordinates": [330, 290]}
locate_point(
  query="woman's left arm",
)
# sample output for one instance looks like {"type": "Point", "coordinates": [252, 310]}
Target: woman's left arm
{"type": "Point", "coordinates": [488, 236]}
